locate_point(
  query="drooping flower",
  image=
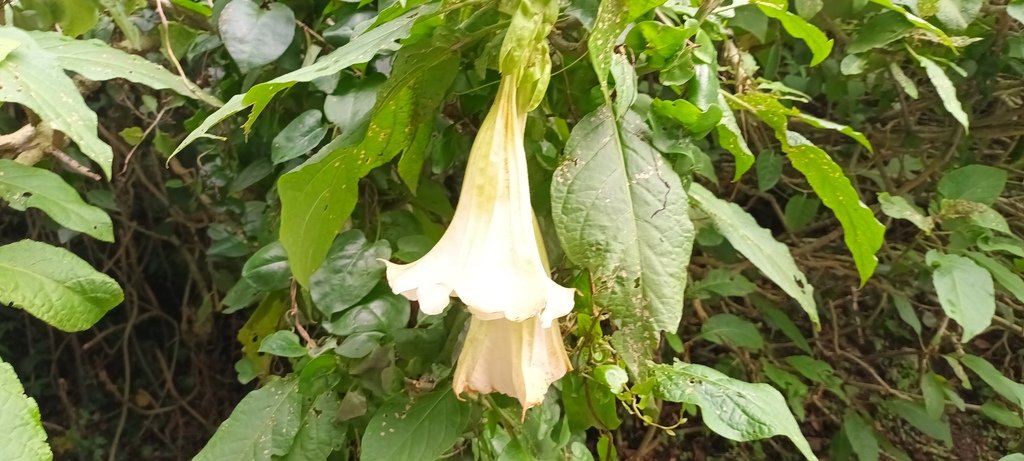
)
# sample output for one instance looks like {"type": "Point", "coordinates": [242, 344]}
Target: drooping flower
{"type": "Point", "coordinates": [490, 256]}
{"type": "Point", "coordinates": [519, 359]}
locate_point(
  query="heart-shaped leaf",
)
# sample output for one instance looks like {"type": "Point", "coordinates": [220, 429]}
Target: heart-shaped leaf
{"type": "Point", "coordinates": [255, 36]}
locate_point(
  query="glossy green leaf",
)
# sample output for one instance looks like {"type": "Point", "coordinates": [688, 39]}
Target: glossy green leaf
{"type": "Point", "coordinates": [966, 292]}
{"type": "Point", "coordinates": [320, 195]}
{"type": "Point", "coordinates": [862, 232]}
{"type": "Point", "coordinates": [731, 139]}
{"type": "Point", "coordinates": [267, 269]}
{"type": "Point", "coordinates": [22, 437]}
{"type": "Point", "coordinates": [757, 245]}
{"type": "Point", "coordinates": [421, 428]}
{"type": "Point", "coordinates": [385, 313]}
{"type": "Point", "coordinates": [815, 39]}
{"type": "Point", "coordinates": [34, 78]}
{"type": "Point", "coordinates": [352, 268]}
{"type": "Point", "coordinates": [262, 426]}
{"type": "Point", "coordinates": [359, 50]}
{"type": "Point", "coordinates": [621, 213]}
{"type": "Point", "coordinates": [999, 413]}
{"type": "Point", "coordinates": [731, 330]}
{"type": "Point", "coordinates": [900, 208]}
{"type": "Point", "coordinates": [299, 137]}
{"type": "Point", "coordinates": [731, 408]}
{"type": "Point", "coordinates": [96, 60]}
{"type": "Point", "coordinates": [283, 343]}
{"type": "Point", "coordinates": [28, 187]}
{"type": "Point", "coordinates": [976, 183]}
{"type": "Point", "coordinates": [55, 286]}
{"type": "Point", "coordinates": [255, 36]}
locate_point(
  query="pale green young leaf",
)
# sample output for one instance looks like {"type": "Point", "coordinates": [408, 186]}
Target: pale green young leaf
{"type": "Point", "coordinates": [1013, 457]}
{"type": "Point", "coordinates": [283, 343]}
{"type": "Point", "coordinates": [262, 426]}
{"type": "Point", "coordinates": [815, 39]}
{"type": "Point", "coordinates": [731, 408]}
{"type": "Point", "coordinates": [956, 15]}
{"type": "Point", "coordinates": [621, 212]}
{"type": "Point", "coordinates": [55, 286]}
{"type": "Point", "coordinates": [96, 60]}
{"type": "Point", "coordinates": [900, 208]}
{"type": "Point", "coordinates": [22, 437]}
{"type": "Point", "coordinates": [934, 396]}
{"type": "Point", "coordinates": [945, 88]}
{"type": "Point", "coordinates": [422, 428]}
{"type": "Point", "coordinates": [1016, 11]}
{"type": "Point", "coordinates": [966, 292]}
{"type": "Point", "coordinates": [731, 139]}
{"type": "Point", "coordinates": [30, 187]}
{"type": "Point", "coordinates": [862, 232]}
{"type": "Point", "coordinates": [908, 85]}
{"type": "Point", "coordinates": [34, 78]}
{"type": "Point", "coordinates": [999, 413]}
{"type": "Point", "coordinates": [830, 125]}
{"type": "Point", "coordinates": [757, 245]}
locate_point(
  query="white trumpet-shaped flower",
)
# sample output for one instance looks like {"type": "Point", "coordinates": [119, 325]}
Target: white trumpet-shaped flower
{"type": "Point", "coordinates": [490, 256]}
{"type": "Point", "coordinates": [518, 359]}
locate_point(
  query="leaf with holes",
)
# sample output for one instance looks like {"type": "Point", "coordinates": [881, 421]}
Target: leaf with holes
{"type": "Point", "coordinates": [621, 212]}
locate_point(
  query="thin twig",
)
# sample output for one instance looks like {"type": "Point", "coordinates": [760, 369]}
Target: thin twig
{"type": "Point", "coordinates": [145, 134]}
{"type": "Point", "coordinates": [294, 313]}
{"type": "Point", "coordinates": [72, 163]}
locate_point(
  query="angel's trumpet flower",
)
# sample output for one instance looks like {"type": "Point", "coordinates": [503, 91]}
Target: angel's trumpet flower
{"type": "Point", "coordinates": [490, 256]}
{"type": "Point", "coordinates": [519, 359]}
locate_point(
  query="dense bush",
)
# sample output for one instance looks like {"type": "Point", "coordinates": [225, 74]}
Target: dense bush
{"type": "Point", "coordinates": [796, 219]}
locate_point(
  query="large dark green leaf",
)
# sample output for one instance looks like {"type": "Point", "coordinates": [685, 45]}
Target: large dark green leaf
{"type": "Point", "coordinates": [622, 213]}
{"type": "Point", "coordinates": [733, 409]}
{"type": "Point", "coordinates": [55, 285]}
{"type": "Point", "coordinates": [263, 425]}
{"type": "Point", "coordinates": [421, 428]}
{"type": "Point", "coordinates": [22, 437]}
{"type": "Point", "coordinates": [29, 187]}
{"type": "Point", "coordinates": [353, 267]}
{"type": "Point", "coordinates": [317, 197]}
{"type": "Point", "coordinates": [33, 77]}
